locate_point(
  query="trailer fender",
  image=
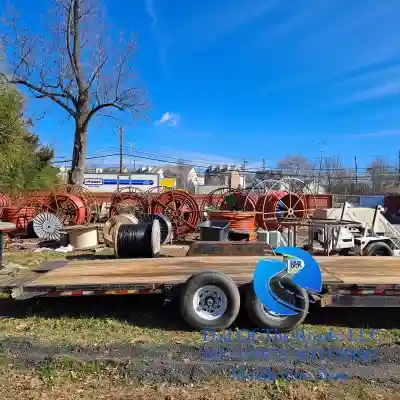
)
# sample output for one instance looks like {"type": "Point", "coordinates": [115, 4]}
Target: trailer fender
{"type": "Point", "coordinates": [210, 300]}
{"type": "Point", "coordinates": [265, 319]}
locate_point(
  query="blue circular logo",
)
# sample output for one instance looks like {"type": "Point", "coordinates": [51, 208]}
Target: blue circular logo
{"type": "Point", "coordinates": [298, 266]}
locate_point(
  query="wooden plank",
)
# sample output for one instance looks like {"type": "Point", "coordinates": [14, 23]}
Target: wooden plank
{"type": "Point", "coordinates": [50, 266]}
{"type": "Point", "coordinates": [225, 249]}
{"type": "Point", "coordinates": [11, 282]}
{"type": "Point", "coordinates": [360, 270]}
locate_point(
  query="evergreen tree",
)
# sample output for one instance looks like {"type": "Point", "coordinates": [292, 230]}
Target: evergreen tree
{"type": "Point", "coordinates": [24, 163]}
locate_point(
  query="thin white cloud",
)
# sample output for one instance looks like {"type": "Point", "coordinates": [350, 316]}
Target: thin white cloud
{"type": "Point", "coordinates": [374, 76]}
{"type": "Point", "coordinates": [308, 14]}
{"type": "Point", "coordinates": [390, 132]}
{"type": "Point", "coordinates": [222, 21]}
{"type": "Point", "coordinates": [151, 12]}
{"type": "Point", "coordinates": [169, 118]}
{"type": "Point", "coordinates": [163, 42]}
{"type": "Point", "coordinates": [377, 92]}
{"type": "Point", "coordinates": [366, 34]}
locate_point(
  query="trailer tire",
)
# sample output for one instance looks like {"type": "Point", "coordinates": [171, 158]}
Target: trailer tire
{"type": "Point", "coordinates": [265, 319]}
{"type": "Point", "coordinates": [210, 300]}
{"type": "Point", "coordinates": [378, 249]}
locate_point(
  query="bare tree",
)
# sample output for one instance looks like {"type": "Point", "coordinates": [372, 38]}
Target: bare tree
{"type": "Point", "coordinates": [335, 176]}
{"type": "Point", "coordinates": [77, 67]}
{"type": "Point", "coordinates": [381, 173]}
{"type": "Point", "coordinates": [295, 166]}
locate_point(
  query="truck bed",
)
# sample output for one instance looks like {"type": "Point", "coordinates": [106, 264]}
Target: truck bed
{"type": "Point", "coordinates": [174, 270]}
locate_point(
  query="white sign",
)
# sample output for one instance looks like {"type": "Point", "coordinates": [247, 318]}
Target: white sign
{"type": "Point", "coordinates": [294, 265]}
{"type": "Point", "coordinates": [94, 182]}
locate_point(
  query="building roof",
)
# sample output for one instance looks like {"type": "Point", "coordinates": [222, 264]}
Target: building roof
{"type": "Point", "coordinates": [223, 168]}
{"type": "Point", "coordinates": [182, 170]}
{"type": "Point", "coordinates": [174, 169]}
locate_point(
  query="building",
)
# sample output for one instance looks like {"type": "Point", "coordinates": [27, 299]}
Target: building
{"type": "Point", "coordinates": [186, 176]}
{"type": "Point", "coordinates": [224, 175]}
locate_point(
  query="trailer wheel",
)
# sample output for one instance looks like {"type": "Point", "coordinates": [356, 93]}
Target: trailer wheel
{"type": "Point", "coordinates": [378, 249]}
{"type": "Point", "coordinates": [266, 319]}
{"type": "Point", "coordinates": [210, 300]}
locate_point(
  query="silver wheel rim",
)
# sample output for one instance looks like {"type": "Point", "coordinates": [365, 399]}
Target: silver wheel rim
{"type": "Point", "coordinates": [210, 302]}
{"type": "Point", "coordinates": [272, 314]}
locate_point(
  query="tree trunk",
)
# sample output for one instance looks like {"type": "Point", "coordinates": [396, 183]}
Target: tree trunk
{"type": "Point", "coordinates": [76, 175]}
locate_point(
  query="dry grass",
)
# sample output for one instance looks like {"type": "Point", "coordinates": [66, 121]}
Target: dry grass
{"type": "Point", "coordinates": [66, 381]}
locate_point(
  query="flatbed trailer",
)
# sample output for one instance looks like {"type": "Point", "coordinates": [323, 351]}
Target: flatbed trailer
{"type": "Point", "coordinates": [347, 282]}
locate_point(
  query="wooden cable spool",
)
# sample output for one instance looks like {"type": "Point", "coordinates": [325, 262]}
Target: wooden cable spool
{"type": "Point", "coordinates": [111, 224]}
{"type": "Point", "coordinates": [239, 220]}
{"type": "Point", "coordinates": [137, 241]}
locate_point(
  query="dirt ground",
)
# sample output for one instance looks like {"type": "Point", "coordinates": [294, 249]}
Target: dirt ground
{"type": "Point", "coordinates": [137, 347]}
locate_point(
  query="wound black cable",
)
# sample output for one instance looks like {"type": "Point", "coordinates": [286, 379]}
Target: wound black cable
{"type": "Point", "coordinates": [138, 241]}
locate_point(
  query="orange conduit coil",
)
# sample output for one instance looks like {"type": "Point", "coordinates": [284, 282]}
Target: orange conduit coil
{"type": "Point", "coordinates": [5, 201]}
{"type": "Point", "coordinates": [267, 208]}
{"type": "Point", "coordinates": [239, 220]}
{"type": "Point", "coordinates": [180, 208]}
{"type": "Point", "coordinates": [242, 202]}
{"type": "Point", "coordinates": [70, 209]}
{"type": "Point", "coordinates": [20, 216]}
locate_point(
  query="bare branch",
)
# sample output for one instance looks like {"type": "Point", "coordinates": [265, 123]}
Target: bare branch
{"type": "Point", "coordinates": [100, 107]}
{"type": "Point", "coordinates": [44, 93]}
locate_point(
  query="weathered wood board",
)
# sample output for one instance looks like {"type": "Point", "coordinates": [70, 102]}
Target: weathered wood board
{"type": "Point", "coordinates": [357, 270]}
{"type": "Point", "coordinates": [229, 249]}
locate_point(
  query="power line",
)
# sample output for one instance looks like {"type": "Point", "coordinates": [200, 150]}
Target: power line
{"type": "Point", "coordinates": [305, 174]}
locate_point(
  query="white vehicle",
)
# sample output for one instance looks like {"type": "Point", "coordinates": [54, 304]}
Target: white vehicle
{"type": "Point", "coordinates": [377, 238]}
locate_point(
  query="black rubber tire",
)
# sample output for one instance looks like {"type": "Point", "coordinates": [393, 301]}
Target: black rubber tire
{"type": "Point", "coordinates": [346, 252]}
{"type": "Point", "coordinates": [223, 282]}
{"type": "Point", "coordinates": [378, 247]}
{"type": "Point", "coordinates": [279, 324]}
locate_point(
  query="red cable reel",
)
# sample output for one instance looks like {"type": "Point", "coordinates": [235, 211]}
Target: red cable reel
{"type": "Point", "coordinates": [180, 208]}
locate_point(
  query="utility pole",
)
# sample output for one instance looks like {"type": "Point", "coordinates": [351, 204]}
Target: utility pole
{"type": "Point", "coordinates": [244, 172]}
{"type": "Point", "coordinates": [130, 157]}
{"type": "Point", "coordinates": [121, 147]}
{"type": "Point", "coordinates": [398, 167]}
{"type": "Point", "coordinates": [356, 171]}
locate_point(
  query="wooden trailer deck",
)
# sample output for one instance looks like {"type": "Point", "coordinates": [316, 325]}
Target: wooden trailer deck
{"type": "Point", "coordinates": [169, 271]}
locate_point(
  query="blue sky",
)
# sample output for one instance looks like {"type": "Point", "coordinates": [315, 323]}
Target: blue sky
{"type": "Point", "coordinates": [258, 79]}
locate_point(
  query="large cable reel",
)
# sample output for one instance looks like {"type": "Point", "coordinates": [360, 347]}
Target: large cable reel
{"type": "Point", "coordinates": [166, 229]}
{"type": "Point", "coordinates": [47, 226]}
{"type": "Point", "coordinates": [109, 227]}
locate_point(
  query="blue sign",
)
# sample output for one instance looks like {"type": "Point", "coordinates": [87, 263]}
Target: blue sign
{"type": "Point", "coordinates": [101, 182]}
{"type": "Point", "coordinates": [298, 265]}
{"type": "Point", "coordinates": [144, 182]}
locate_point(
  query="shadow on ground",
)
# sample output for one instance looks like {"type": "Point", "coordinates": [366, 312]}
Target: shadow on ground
{"type": "Point", "coordinates": [150, 311]}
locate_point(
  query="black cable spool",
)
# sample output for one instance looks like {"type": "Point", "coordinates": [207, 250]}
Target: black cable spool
{"type": "Point", "coordinates": [138, 241]}
{"type": "Point", "coordinates": [165, 225]}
